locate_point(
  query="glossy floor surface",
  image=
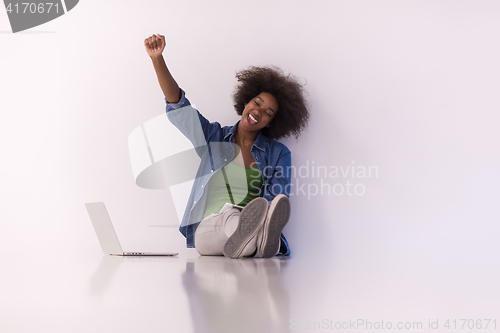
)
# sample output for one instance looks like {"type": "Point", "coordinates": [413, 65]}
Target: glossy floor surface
{"type": "Point", "coordinates": [190, 293]}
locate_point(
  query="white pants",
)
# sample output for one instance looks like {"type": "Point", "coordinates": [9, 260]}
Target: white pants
{"type": "Point", "coordinates": [213, 232]}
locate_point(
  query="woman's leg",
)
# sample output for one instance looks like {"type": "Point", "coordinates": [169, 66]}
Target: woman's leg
{"type": "Point", "coordinates": [242, 241]}
{"type": "Point", "coordinates": [269, 237]}
{"type": "Point", "coordinates": [232, 233]}
{"type": "Point", "coordinates": [213, 233]}
{"type": "Point", "coordinates": [231, 226]}
{"type": "Point", "coordinates": [211, 236]}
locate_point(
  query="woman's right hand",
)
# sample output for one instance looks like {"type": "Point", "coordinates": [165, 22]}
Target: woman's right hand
{"type": "Point", "coordinates": [155, 45]}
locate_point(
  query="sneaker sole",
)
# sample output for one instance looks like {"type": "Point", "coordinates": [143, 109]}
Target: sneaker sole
{"type": "Point", "coordinates": [278, 218]}
{"type": "Point", "coordinates": [252, 218]}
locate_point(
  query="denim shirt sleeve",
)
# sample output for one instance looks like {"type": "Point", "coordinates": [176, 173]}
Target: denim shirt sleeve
{"type": "Point", "coordinates": [182, 102]}
{"type": "Point", "coordinates": [191, 122]}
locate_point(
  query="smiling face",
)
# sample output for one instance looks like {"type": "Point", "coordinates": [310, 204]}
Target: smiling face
{"type": "Point", "coordinates": [259, 112]}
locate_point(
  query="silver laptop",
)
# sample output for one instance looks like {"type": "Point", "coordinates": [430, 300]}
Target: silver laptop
{"type": "Point", "coordinates": [107, 235]}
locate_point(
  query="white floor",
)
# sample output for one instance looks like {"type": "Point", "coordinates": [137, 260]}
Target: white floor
{"type": "Point", "coordinates": [189, 293]}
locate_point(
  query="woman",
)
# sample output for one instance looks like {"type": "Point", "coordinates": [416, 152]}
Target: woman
{"type": "Point", "coordinates": [243, 161]}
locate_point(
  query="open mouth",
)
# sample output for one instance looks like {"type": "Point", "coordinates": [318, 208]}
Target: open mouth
{"type": "Point", "coordinates": [252, 120]}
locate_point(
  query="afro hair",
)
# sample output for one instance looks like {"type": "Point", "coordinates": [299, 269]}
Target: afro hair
{"type": "Point", "coordinates": [292, 115]}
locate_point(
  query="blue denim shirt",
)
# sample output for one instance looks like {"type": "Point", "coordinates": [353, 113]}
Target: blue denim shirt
{"type": "Point", "coordinates": [214, 144]}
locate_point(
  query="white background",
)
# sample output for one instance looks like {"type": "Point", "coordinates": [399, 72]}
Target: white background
{"type": "Point", "coordinates": [410, 87]}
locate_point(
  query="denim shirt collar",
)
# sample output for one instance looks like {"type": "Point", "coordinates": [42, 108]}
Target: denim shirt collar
{"type": "Point", "coordinates": [260, 141]}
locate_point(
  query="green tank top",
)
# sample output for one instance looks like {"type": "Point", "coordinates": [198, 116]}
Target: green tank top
{"type": "Point", "coordinates": [244, 186]}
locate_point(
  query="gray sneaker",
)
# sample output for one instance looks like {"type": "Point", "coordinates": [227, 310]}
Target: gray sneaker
{"type": "Point", "coordinates": [252, 218]}
{"type": "Point", "coordinates": [270, 235]}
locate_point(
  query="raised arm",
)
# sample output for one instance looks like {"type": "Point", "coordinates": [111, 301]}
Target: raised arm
{"type": "Point", "coordinates": [154, 47]}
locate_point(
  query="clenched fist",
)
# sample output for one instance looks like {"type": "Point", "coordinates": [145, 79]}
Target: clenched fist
{"type": "Point", "coordinates": [155, 45]}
